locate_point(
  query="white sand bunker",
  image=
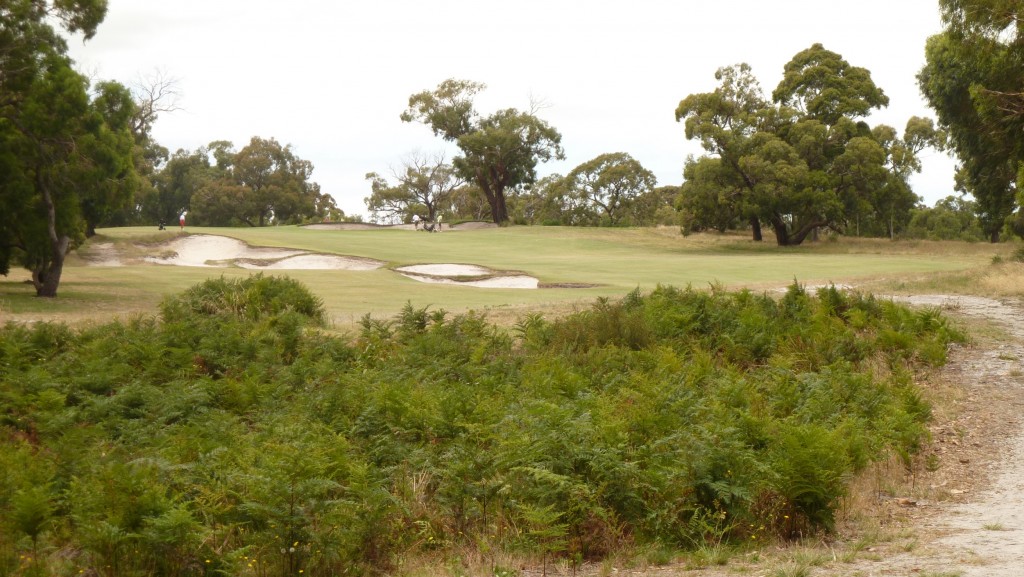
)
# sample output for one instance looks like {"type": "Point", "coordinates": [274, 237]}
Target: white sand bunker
{"type": "Point", "coordinates": [466, 275]}
{"type": "Point", "coordinates": [203, 250]}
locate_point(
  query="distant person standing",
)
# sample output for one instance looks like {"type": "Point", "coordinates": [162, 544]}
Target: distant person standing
{"type": "Point", "coordinates": [181, 219]}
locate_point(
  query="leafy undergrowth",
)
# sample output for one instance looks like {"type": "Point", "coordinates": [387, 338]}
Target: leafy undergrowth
{"type": "Point", "coordinates": [232, 436]}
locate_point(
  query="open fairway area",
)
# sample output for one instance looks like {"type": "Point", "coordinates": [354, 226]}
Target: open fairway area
{"type": "Point", "coordinates": [572, 265]}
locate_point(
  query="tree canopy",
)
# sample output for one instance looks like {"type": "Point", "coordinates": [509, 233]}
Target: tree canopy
{"type": "Point", "coordinates": [610, 189]}
{"type": "Point", "coordinates": [66, 155]}
{"type": "Point", "coordinates": [263, 182]}
{"type": "Point", "coordinates": [805, 160]}
{"type": "Point", "coordinates": [424, 188]}
{"type": "Point", "coordinates": [972, 80]}
{"type": "Point", "coordinates": [499, 153]}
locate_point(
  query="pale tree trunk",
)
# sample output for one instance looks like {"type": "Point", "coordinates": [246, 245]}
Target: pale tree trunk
{"type": "Point", "coordinates": [46, 276]}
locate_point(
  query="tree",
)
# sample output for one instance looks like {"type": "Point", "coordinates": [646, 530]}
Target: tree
{"type": "Point", "coordinates": [174, 185]}
{"type": "Point", "coordinates": [823, 86]}
{"type": "Point", "coordinates": [725, 120]}
{"type": "Point", "coordinates": [153, 95]}
{"type": "Point", "coordinates": [499, 152]}
{"type": "Point", "coordinates": [972, 80]}
{"type": "Point", "coordinates": [425, 187]}
{"type": "Point", "coordinates": [952, 218]}
{"type": "Point", "coordinates": [609, 187]}
{"type": "Point", "coordinates": [65, 158]}
{"type": "Point", "coordinates": [258, 184]}
{"type": "Point", "coordinates": [801, 163]}
{"type": "Point", "coordinates": [711, 196]}
{"type": "Point", "coordinates": [892, 204]}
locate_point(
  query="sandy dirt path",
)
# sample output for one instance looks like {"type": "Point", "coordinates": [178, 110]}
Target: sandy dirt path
{"type": "Point", "coordinates": [983, 536]}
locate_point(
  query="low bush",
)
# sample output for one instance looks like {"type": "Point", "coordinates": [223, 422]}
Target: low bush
{"type": "Point", "coordinates": [231, 437]}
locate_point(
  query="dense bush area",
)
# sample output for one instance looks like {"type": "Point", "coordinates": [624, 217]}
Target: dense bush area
{"type": "Point", "coordinates": [232, 436]}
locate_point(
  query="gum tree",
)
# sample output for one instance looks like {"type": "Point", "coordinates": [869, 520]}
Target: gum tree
{"type": "Point", "coordinates": [424, 187]}
{"type": "Point", "coordinates": [972, 80]}
{"type": "Point", "coordinates": [65, 154]}
{"type": "Point", "coordinates": [610, 186]}
{"type": "Point", "coordinates": [801, 162]}
{"type": "Point", "coordinates": [499, 153]}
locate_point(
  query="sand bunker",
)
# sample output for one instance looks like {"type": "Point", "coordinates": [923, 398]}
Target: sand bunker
{"type": "Point", "coordinates": [467, 275]}
{"type": "Point", "coordinates": [203, 250]}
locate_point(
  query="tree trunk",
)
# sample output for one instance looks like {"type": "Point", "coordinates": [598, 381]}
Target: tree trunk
{"type": "Point", "coordinates": [799, 236]}
{"type": "Point", "coordinates": [994, 236]}
{"type": "Point", "coordinates": [46, 276]}
{"type": "Point", "coordinates": [495, 198]}
{"type": "Point", "coordinates": [781, 231]}
{"type": "Point", "coordinates": [755, 226]}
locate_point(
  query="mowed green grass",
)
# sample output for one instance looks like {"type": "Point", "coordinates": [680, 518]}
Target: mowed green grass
{"type": "Point", "coordinates": [611, 261]}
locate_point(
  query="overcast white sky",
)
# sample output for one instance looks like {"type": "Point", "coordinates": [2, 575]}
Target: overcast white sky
{"type": "Point", "coordinates": [331, 77]}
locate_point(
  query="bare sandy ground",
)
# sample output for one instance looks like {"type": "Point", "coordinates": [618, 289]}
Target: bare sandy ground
{"type": "Point", "coordinates": [203, 250]}
{"type": "Point", "coordinates": [478, 276]}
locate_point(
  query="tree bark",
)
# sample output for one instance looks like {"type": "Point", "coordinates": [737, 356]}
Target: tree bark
{"type": "Point", "coordinates": [781, 231]}
{"type": "Point", "coordinates": [755, 226]}
{"type": "Point", "coordinates": [46, 276]}
{"type": "Point", "coordinates": [495, 198]}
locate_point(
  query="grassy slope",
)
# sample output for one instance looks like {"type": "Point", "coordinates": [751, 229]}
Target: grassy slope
{"type": "Point", "coordinates": [616, 260]}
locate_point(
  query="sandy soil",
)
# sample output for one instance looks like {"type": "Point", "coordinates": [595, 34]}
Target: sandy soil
{"type": "Point", "coordinates": [977, 528]}
{"type": "Point", "coordinates": [204, 250]}
{"type": "Point", "coordinates": [443, 273]}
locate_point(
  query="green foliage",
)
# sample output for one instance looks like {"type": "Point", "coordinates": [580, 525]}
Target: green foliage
{"type": "Point", "coordinates": [499, 152]}
{"type": "Point", "coordinates": [805, 160]}
{"type": "Point", "coordinates": [231, 438]}
{"type": "Point", "coordinates": [970, 80]}
{"type": "Point", "coordinates": [263, 182]}
{"type": "Point", "coordinates": [252, 298]}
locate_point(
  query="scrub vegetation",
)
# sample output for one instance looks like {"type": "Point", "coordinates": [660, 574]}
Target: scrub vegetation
{"type": "Point", "coordinates": [232, 435]}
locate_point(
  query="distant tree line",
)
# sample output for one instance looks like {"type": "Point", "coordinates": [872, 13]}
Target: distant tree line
{"type": "Point", "coordinates": [263, 183]}
{"type": "Point", "coordinates": [77, 155]}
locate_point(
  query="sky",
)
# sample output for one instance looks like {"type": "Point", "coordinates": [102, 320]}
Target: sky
{"type": "Point", "coordinates": [331, 77]}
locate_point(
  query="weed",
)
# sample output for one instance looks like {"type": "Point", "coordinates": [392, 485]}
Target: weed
{"type": "Point", "coordinates": [792, 570]}
{"type": "Point", "coordinates": [994, 527]}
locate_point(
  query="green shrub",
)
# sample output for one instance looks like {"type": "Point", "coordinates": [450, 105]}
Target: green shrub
{"type": "Point", "coordinates": [228, 437]}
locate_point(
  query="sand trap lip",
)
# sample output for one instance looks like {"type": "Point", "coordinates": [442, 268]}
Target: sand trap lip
{"type": "Point", "coordinates": [310, 262]}
{"type": "Point", "coordinates": [442, 273]}
{"type": "Point", "coordinates": [514, 282]}
{"type": "Point", "coordinates": [446, 269]}
{"type": "Point", "coordinates": [203, 250]}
